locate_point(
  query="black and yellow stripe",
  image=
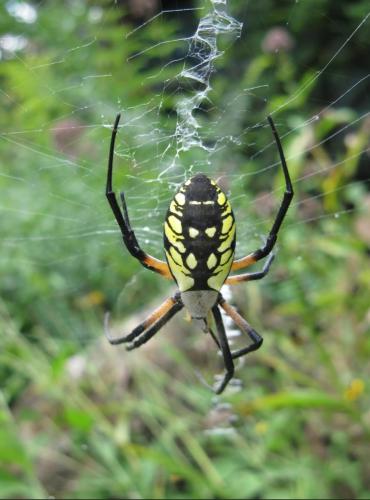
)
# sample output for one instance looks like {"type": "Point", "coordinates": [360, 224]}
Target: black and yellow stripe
{"type": "Point", "coordinates": [199, 235]}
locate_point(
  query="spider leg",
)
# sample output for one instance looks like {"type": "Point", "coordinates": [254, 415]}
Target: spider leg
{"type": "Point", "coordinates": [212, 334]}
{"type": "Point", "coordinates": [123, 221]}
{"type": "Point", "coordinates": [149, 327]}
{"type": "Point", "coordinates": [208, 329]}
{"type": "Point", "coordinates": [233, 280]}
{"type": "Point", "coordinates": [244, 327]}
{"type": "Point", "coordinates": [287, 198]}
{"type": "Point", "coordinates": [225, 349]}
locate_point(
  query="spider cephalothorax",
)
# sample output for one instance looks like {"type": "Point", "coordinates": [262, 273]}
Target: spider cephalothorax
{"type": "Point", "coordinates": [199, 243]}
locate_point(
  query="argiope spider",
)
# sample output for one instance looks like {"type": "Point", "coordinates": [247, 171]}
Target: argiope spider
{"type": "Point", "coordinates": [199, 242]}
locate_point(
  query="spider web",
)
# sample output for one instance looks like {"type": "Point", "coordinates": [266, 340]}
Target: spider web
{"type": "Point", "coordinates": [54, 213]}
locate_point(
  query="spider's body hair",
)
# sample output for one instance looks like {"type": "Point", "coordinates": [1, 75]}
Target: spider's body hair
{"type": "Point", "coordinates": [199, 240]}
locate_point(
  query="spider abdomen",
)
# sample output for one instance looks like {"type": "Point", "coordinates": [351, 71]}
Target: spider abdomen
{"type": "Point", "coordinates": [199, 235]}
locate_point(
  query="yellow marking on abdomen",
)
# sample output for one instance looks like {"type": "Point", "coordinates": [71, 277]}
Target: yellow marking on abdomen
{"type": "Point", "coordinates": [225, 257]}
{"type": "Point", "coordinates": [184, 281]}
{"type": "Point", "coordinates": [191, 261]}
{"type": "Point", "coordinates": [176, 256]}
{"type": "Point", "coordinates": [210, 231]}
{"type": "Point", "coordinates": [180, 198]}
{"type": "Point", "coordinates": [173, 238]}
{"type": "Point", "coordinates": [193, 233]}
{"type": "Point", "coordinates": [227, 223]}
{"type": "Point", "coordinates": [227, 210]}
{"type": "Point", "coordinates": [174, 208]}
{"type": "Point", "coordinates": [221, 198]}
{"type": "Point", "coordinates": [195, 202]}
{"type": "Point", "coordinates": [216, 282]}
{"type": "Point", "coordinates": [175, 223]}
{"type": "Point", "coordinates": [223, 270]}
{"type": "Point", "coordinates": [226, 244]}
{"type": "Point", "coordinates": [211, 261]}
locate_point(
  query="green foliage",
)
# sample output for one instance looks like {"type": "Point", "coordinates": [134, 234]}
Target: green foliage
{"type": "Point", "coordinates": [81, 419]}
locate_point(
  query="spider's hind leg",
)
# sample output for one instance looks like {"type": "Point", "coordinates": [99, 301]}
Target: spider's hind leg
{"type": "Point", "coordinates": [244, 326]}
{"type": "Point", "coordinates": [225, 349]}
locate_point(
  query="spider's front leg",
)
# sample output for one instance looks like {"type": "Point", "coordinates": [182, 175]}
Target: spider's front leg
{"type": "Point", "coordinates": [123, 221]}
{"type": "Point", "coordinates": [273, 234]}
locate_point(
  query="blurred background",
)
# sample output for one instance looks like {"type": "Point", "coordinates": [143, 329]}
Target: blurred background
{"type": "Point", "coordinates": [194, 81]}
